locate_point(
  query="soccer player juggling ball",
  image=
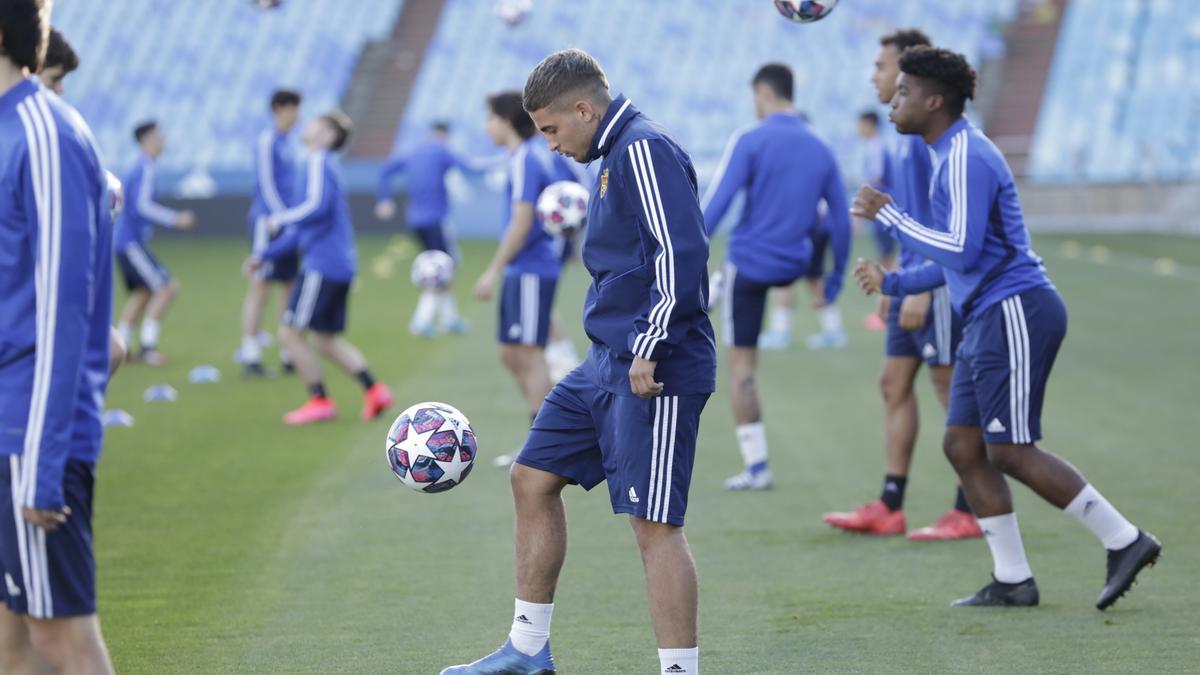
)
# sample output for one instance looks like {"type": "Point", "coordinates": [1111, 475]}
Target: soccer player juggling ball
{"type": "Point", "coordinates": [1014, 323]}
{"type": "Point", "coordinates": [630, 413]}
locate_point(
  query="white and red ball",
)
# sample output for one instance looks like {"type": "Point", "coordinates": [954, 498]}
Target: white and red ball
{"type": "Point", "coordinates": [562, 206]}
{"type": "Point", "coordinates": [431, 447]}
{"type": "Point", "coordinates": [432, 269]}
{"type": "Point", "coordinates": [805, 11]}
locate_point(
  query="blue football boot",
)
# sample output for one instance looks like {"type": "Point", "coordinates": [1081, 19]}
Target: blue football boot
{"type": "Point", "coordinates": [508, 661]}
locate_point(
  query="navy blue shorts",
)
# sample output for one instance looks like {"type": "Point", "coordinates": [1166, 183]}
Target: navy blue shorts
{"type": "Point", "coordinates": [435, 238]}
{"type": "Point", "coordinates": [318, 304]}
{"type": "Point", "coordinates": [819, 238]}
{"type": "Point", "coordinates": [282, 270]}
{"type": "Point", "coordinates": [644, 448]}
{"type": "Point", "coordinates": [745, 302]}
{"type": "Point", "coordinates": [140, 269]}
{"type": "Point", "coordinates": [525, 303]}
{"type": "Point", "coordinates": [936, 342]}
{"type": "Point", "coordinates": [48, 575]}
{"type": "Point", "coordinates": [1003, 364]}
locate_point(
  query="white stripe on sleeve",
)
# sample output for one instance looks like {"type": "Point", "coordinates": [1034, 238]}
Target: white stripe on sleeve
{"type": "Point", "coordinates": [266, 172]}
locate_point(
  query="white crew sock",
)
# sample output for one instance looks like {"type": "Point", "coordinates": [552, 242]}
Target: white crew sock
{"type": "Point", "coordinates": [447, 307]}
{"type": "Point", "coordinates": [752, 442]}
{"type": "Point", "coordinates": [126, 332]}
{"type": "Point", "coordinates": [427, 306]}
{"type": "Point", "coordinates": [1102, 518]}
{"type": "Point", "coordinates": [1008, 553]}
{"type": "Point", "coordinates": [251, 349]}
{"type": "Point", "coordinates": [781, 320]}
{"type": "Point", "coordinates": [531, 626]}
{"type": "Point", "coordinates": [831, 319]}
{"type": "Point", "coordinates": [150, 333]}
{"type": "Point", "coordinates": [679, 661]}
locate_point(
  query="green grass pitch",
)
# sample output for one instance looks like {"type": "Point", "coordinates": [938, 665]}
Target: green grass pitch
{"type": "Point", "coordinates": [228, 543]}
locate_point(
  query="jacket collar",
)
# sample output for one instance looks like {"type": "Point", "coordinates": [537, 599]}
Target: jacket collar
{"type": "Point", "coordinates": [619, 113]}
{"type": "Point", "coordinates": [942, 145]}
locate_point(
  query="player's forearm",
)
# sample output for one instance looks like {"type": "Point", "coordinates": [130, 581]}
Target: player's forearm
{"type": "Point", "coordinates": [913, 281]}
{"type": "Point", "coordinates": [513, 239]}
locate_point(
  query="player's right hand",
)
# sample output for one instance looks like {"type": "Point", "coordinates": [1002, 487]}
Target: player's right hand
{"type": "Point", "coordinates": [641, 378]}
{"type": "Point", "coordinates": [384, 210]}
{"type": "Point", "coordinates": [185, 220]}
{"type": "Point", "coordinates": [47, 519]}
{"type": "Point", "coordinates": [869, 276]}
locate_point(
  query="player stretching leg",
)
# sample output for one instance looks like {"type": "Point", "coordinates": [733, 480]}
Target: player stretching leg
{"type": "Point", "coordinates": [274, 184]}
{"type": "Point", "coordinates": [425, 168]}
{"type": "Point", "coordinates": [1015, 322]}
{"type": "Point", "coordinates": [151, 288]}
{"type": "Point", "coordinates": [630, 413]}
{"type": "Point", "coordinates": [920, 327]}
{"type": "Point", "coordinates": [320, 228]}
{"type": "Point", "coordinates": [786, 170]}
{"type": "Point", "coordinates": [527, 263]}
{"type": "Point", "coordinates": [56, 297]}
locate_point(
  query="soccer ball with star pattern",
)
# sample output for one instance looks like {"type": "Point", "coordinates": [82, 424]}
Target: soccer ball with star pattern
{"type": "Point", "coordinates": [431, 447]}
{"type": "Point", "coordinates": [805, 11]}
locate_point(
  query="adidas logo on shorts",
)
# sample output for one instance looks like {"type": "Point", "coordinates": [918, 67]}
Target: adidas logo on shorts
{"type": "Point", "coordinates": [996, 427]}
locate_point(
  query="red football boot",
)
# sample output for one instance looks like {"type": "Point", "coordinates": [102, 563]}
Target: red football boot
{"type": "Point", "coordinates": [953, 524]}
{"type": "Point", "coordinates": [317, 409]}
{"type": "Point", "coordinates": [871, 518]}
{"type": "Point", "coordinates": [376, 400]}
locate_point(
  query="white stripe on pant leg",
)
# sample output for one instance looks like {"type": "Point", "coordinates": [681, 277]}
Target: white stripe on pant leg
{"type": "Point", "coordinates": [664, 483]}
{"type": "Point", "coordinates": [146, 269]}
{"type": "Point", "coordinates": [1011, 341]}
{"type": "Point", "coordinates": [674, 431]}
{"type": "Point", "coordinates": [653, 457]}
{"type": "Point", "coordinates": [14, 464]}
{"type": "Point", "coordinates": [530, 323]}
{"type": "Point", "coordinates": [727, 310]}
{"type": "Point", "coordinates": [660, 412]}
{"type": "Point", "coordinates": [1020, 434]}
{"type": "Point", "coordinates": [1025, 380]}
{"type": "Point", "coordinates": [47, 600]}
{"type": "Point", "coordinates": [307, 299]}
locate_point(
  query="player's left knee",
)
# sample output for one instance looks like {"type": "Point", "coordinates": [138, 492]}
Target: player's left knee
{"type": "Point", "coordinates": [650, 532]}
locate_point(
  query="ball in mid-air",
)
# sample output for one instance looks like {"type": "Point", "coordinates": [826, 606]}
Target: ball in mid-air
{"type": "Point", "coordinates": [562, 206]}
{"type": "Point", "coordinates": [432, 269]}
{"type": "Point", "coordinates": [431, 447]}
{"type": "Point", "coordinates": [805, 11]}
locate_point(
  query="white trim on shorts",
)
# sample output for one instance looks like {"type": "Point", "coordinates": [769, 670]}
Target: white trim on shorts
{"type": "Point", "coordinates": [727, 309]}
{"type": "Point", "coordinates": [942, 326]}
{"type": "Point", "coordinates": [1017, 334]}
{"type": "Point", "coordinates": [310, 289]}
{"type": "Point", "coordinates": [662, 458]}
{"type": "Point", "coordinates": [137, 256]}
{"type": "Point", "coordinates": [530, 305]}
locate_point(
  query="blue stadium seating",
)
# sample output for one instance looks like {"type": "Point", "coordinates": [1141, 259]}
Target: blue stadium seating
{"type": "Point", "coordinates": [1123, 98]}
{"type": "Point", "coordinates": [204, 68]}
{"type": "Point", "coordinates": [686, 64]}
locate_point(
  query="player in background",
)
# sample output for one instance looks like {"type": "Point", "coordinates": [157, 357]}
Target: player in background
{"type": "Point", "coordinates": [527, 262]}
{"type": "Point", "coordinates": [61, 60]}
{"type": "Point", "coordinates": [274, 187]}
{"type": "Point", "coordinates": [1015, 322]}
{"type": "Point", "coordinates": [425, 168]}
{"type": "Point", "coordinates": [785, 171]}
{"type": "Point", "coordinates": [319, 227]}
{"type": "Point", "coordinates": [921, 327]}
{"type": "Point", "coordinates": [56, 297]}
{"type": "Point", "coordinates": [631, 412]}
{"type": "Point", "coordinates": [874, 172]}
{"type": "Point", "coordinates": [151, 288]}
